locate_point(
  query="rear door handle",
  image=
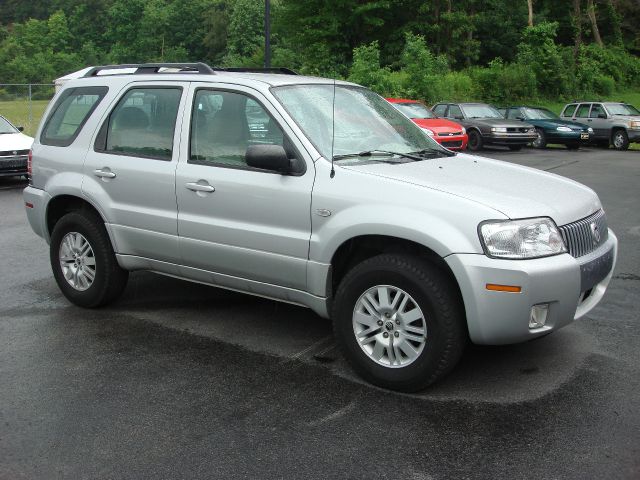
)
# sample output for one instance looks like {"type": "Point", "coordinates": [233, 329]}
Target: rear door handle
{"type": "Point", "coordinates": [200, 187]}
{"type": "Point", "coordinates": [104, 172]}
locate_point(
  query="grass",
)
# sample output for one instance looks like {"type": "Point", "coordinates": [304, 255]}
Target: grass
{"type": "Point", "coordinates": [18, 113]}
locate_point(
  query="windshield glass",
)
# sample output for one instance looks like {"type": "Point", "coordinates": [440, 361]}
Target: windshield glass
{"type": "Point", "coordinates": [538, 114]}
{"type": "Point", "coordinates": [622, 109]}
{"type": "Point", "coordinates": [480, 111]}
{"type": "Point", "coordinates": [364, 121]}
{"type": "Point", "coordinates": [414, 110]}
{"type": "Point", "coordinates": [6, 127]}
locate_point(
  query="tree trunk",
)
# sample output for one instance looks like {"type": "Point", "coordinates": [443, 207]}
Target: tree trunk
{"type": "Point", "coordinates": [577, 26]}
{"type": "Point", "coordinates": [591, 13]}
{"type": "Point", "coordinates": [530, 5]}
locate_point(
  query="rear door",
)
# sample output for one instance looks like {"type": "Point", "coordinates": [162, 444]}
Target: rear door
{"type": "Point", "coordinates": [234, 220]}
{"type": "Point", "coordinates": [581, 115]}
{"type": "Point", "coordinates": [130, 171]}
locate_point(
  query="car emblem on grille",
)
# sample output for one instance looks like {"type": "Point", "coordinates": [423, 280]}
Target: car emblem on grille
{"type": "Point", "coordinates": [595, 233]}
{"type": "Point", "coordinates": [15, 153]}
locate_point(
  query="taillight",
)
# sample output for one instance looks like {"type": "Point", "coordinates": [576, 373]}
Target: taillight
{"type": "Point", "coordinates": [30, 167]}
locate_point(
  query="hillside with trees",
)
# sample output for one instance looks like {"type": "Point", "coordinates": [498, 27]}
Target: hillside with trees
{"type": "Point", "coordinates": [495, 50]}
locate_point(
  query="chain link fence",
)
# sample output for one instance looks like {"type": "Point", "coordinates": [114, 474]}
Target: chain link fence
{"type": "Point", "coordinates": [24, 103]}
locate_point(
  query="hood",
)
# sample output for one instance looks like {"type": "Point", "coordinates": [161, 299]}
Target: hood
{"type": "Point", "coordinates": [515, 191]}
{"type": "Point", "coordinates": [438, 125]}
{"type": "Point", "coordinates": [15, 141]}
{"type": "Point", "coordinates": [498, 122]}
{"type": "Point", "coordinates": [627, 118]}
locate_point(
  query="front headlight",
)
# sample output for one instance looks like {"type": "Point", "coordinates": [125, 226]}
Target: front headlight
{"type": "Point", "coordinates": [428, 132]}
{"type": "Point", "coordinates": [499, 129]}
{"type": "Point", "coordinates": [590, 130]}
{"type": "Point", "coordinates": [634, 124]}
{"type": "Point", "coordinates": [564, 129]}
{"type": "Point", "coordinates": [519, 239]}
{"type": "Point", "coordinates": [464, 131]}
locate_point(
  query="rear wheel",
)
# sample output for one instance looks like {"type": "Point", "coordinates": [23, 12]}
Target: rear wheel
{"type": "Point", "coordinates": [475, 141]}
{"type": "Point", "coordinates": [541, 140]}
{"type": "Point", "coordinates": [620, 140]}
{"type": "Point", "coordinates": [399, 321]}
{"type": "Point", "coordinates": [83, 262]}
{"type": "Point", "coordinates": [515, 148]}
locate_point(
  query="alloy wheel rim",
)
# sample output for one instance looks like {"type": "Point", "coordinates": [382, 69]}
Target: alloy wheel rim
{"type": "Point", "coordinates": [77, 261]}
{"type": "Point", "coordinates": [389, 326]}
{"type": "Point", "coordinates": [618, 141]}
{"type": "Point", "coordinates": [538, 141]}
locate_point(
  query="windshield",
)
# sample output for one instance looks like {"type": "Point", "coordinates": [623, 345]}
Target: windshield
{"type": "Point", "coordinates": [538, 114]}
{"type": "Point", "coordinates": [6, 127]}
{"type": "Point", "coordinates": [414, 110]}
{"type": "Point", "coordinates": [480, 111]}
{"type": "Point", "coordinates": [364, 121]}
{"type": "Point", "coordinates": [622, 109]}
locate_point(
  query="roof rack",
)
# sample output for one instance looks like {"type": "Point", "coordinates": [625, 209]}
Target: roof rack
{"type": "Point", "coordinates": [280, 70]}
{"type": "Point", "coordinates": [142, 68]}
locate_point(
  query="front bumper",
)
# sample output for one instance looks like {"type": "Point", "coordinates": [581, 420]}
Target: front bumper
{"type": "Point", "coordinates": [13, 165]}
{"type": "Point", "coordinates": [452, 142]}
{"type": "Point", "coordinates": [634, 135]}
{"type": "Point", "coordinates": [555, 136]}
{"type": "Point", "coordinates": [509, 138]}
{"type": "Point", "coordinates": [571, 286]}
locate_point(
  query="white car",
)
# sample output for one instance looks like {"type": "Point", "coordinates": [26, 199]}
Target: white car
{"type": "Point", "coordinates": [14, 149]}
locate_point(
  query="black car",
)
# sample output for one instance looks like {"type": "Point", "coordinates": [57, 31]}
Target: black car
{"type": "Point", "coordinates": [486, 126]}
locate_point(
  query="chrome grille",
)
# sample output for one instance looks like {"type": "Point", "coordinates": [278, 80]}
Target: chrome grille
{"type": "Point", "coordinates": [586, 235]}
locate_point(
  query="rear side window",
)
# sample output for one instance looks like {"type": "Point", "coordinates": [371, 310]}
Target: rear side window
{"type": "Point", "coordinates": [568, 110]}
{"type": "Point", "coordinates": [69, 114]}
{"type": "Point", "coordinates": [142, 124]}
{"type": "Point", "coordinates": [583, 110]}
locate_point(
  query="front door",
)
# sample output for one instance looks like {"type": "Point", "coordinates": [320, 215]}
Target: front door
{"type": "Point", "coordinates": [234, 220]}
{"type": "Point", "coordinates": [130, 172]}
{"type": "Point", "coordinates": [601, 126]}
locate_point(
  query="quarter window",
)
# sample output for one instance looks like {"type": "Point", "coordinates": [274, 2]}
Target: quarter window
{"type": "Point", "coordinates": [142, 124]}
{"type": "Point", "coordinates": [224, 124]}
{"type": "Point", "coordinates": [70, 113]}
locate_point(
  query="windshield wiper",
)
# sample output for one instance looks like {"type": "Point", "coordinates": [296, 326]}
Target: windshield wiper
{"type": "Point", "coordinates": [370, 153]}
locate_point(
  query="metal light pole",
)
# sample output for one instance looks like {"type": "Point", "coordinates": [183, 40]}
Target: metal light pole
{"type": "Point", "coordinates": [267, 33]}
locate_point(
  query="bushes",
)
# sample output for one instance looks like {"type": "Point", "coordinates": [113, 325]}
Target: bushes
{"type": "Point", "coordinates": [502, 82]}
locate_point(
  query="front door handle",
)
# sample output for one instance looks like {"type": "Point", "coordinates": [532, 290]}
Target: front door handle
{"type": "Point", "coordinates": [200, 187]}
{"type": "Point", "coordinates": [104, 172]}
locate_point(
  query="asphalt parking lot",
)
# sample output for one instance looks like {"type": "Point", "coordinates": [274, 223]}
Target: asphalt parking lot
{"type": "Point", "coordinates": [179, 380]}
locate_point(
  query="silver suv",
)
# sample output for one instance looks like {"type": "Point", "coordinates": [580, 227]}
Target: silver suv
{"type": "Point", "coordinates": [613, 123]}
{"type": "Point", "coordinates": [312, 192]}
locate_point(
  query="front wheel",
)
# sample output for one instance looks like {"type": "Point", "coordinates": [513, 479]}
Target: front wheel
{"type": "Point", "coordinates": [541, 139]}
{"type": "Point", "coordinates": [399, 321]}
{"type": "Point", "coordinates": [620, 140]}
{"type": "Point", "coordinates": [83, 262]}
{"type": "Point", "coordinates": [475, 141]}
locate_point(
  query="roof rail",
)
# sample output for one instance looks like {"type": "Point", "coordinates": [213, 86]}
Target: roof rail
{"type": "Point", "coordinates": [141, 68]}
{"type": "Point", "coordinates": [280, 70]}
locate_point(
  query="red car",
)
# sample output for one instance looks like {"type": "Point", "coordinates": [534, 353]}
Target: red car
{"type": "Point", "coordinates": [447, 133]}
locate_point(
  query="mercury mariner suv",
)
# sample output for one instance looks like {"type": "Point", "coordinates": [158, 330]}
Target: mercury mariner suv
{"type": "Point", "coordinates": [317, 193]}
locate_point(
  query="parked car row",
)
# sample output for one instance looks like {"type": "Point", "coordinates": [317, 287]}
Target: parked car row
{"type": "Point", "coordinates": [475, 125]}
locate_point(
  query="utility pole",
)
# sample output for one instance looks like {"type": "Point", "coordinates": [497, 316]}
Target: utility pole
{"type": "Point", "coordinates": [267, 33]}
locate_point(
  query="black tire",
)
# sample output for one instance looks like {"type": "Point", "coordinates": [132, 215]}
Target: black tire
{"type": "Point", "coordinates": [475, 142]}
{"type": "Point", "coordinates": [515, 148]}
{"type": "Point", "coordinates": [110, 280]}
{"type": "Point", "coordinates": [541, 141]}
{"type": "Point", "coordinates": [438, 298]}
{"type": "Point", "coordinates": [620, 139]}
{"type": "Point", "coordinates": [573, 146]}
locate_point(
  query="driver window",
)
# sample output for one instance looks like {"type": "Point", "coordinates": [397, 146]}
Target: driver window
{"type": "Point", "coordinates": [224, 124]}
{"type": "Point", "coordinates": [455, 111]}
{"type": "Point", "coordinates": [596, 110]}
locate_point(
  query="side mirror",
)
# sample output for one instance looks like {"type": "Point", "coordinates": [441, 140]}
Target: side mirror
{"type": "Point", "coordinates": [21, 129]}
{"type": "Point", "coordinates": [268, 157]}
{"type": "Point", "coordinates": [459, 117]}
